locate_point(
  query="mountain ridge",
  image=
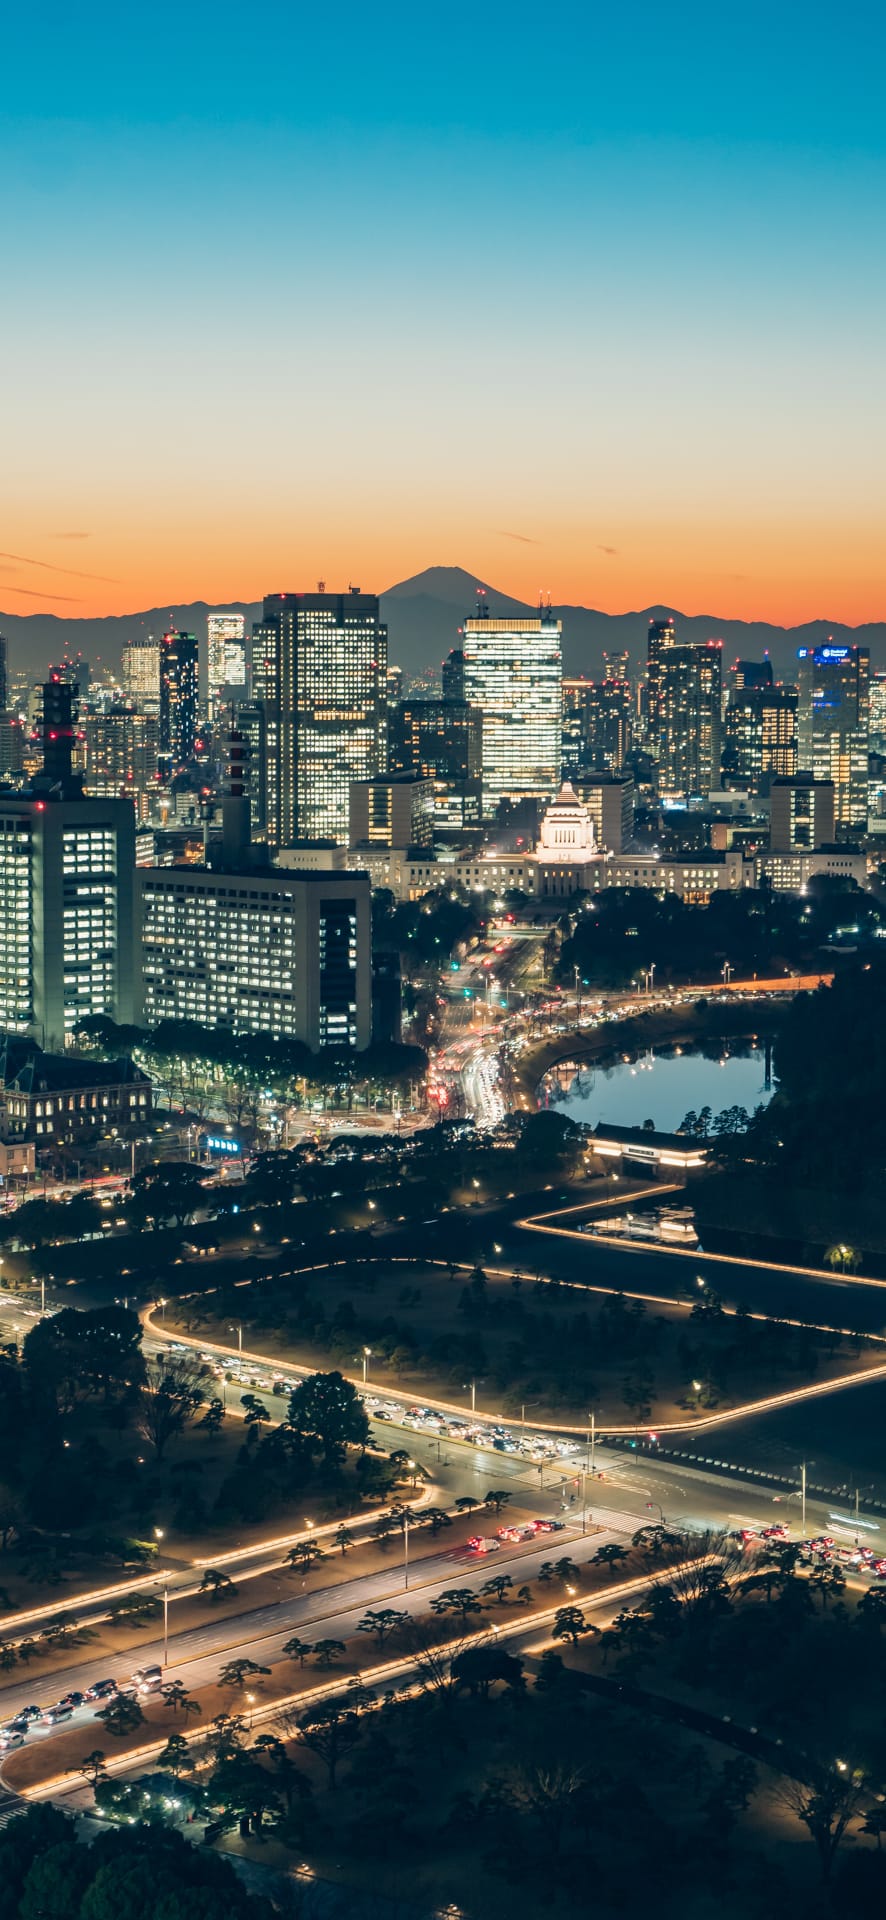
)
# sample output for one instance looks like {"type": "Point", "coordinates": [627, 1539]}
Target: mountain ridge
{"type": "Point", "coordinates": [424, 613]}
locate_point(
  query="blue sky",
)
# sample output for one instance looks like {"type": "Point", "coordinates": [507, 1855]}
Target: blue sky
{"type": "Point", "coordinates": [651, 239]}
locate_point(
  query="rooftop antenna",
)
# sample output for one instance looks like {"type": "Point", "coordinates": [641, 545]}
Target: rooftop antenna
{"type": "Point", "coordinates": [321, 586]}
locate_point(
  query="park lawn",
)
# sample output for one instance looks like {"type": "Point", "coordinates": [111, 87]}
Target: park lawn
{"type": "Point", "coordinates": [520, 1345]}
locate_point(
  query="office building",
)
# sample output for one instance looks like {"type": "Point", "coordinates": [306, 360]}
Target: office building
{"type": "Point", "coordinates": [760, 736]}
{"type": "Point", "coordinates": [833, 727]}
{"type": "Point", "coordinates": [121, 751]}
{"type": "Point", "coordinates": [259, 952]}
{"type": "Point", "coordinates": [4, 674]}
{"type": "Point", "coordinates": [226, 665]}
{"type": "Point", "coordinates": [452, 676]}
{"type": "Point", "coordinates": [178, 697]}
{"type": "Point", "coordinates": [66, 896]}
{"type": "Point", "coordinates": [661, 636]}
{"type": "Point", "coordinates": [443, 741]}
{"type": "Point", "coordinates": [395, 810]}
{"type": "Point", "coordinates": [141, 675]}
{"type": "Point", "coordinates": [249, 722]}
{"type": "Point", "coordinates": [320, 662]}
{"type": "Point", "coordinates": [610, 799]}
{"type": "Point", "coordinates": [513, 673]}
{"type": "Point", "coordinates": [689, 691]}
{"type": "Point", "coordinates": [801, 814]}
{"type": "Point", "coordinates": [394, 685]}
{"type": "Point", "coordinates": [878, 712]}
{"type": "Point", "coordinates": [12, 745]}
{"type": "Point", "coordinates": [617, 666]}
{"type": "Point", "coordinates": [598, 724]}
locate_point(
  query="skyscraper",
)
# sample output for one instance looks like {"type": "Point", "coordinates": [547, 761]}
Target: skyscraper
{"type": "Point", "coordinates": [66, 895]}
{"type": "Point", "coordinates": [513, 672]}
{"type": "Point", "coordinates": [833, 726]}
{"type": "Point", "coordinates": [122, 749]}
{"type": "Point", "coordinates": [443, 741]}
{"type": "Point", "coordinates": [141, 674]}
{"type": "Point", "coordinates": [689, 689]}
{"type": "Point", "coordinates": [452, 675]}
{"type": "Point", "coordinates": [320, 663]}
{"type": "Point", "coordinates": [226, 660]}
{"type": "Point", "coordinates": [178, 697]}
{"type": "Point", "coordinates": [4, 674]}
{"type": "Point", "coordinates": [660, 638]}
{"type": "Point", "coordinates": [760, 735]}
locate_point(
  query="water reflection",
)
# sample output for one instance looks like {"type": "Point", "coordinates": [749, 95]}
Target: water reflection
{"type": "Point", "coordinates": [663, 1086]}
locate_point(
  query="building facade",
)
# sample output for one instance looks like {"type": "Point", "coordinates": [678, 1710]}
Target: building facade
{"type": "Point", "coordinates": [226, 664]}
{"type": "Point", "coordinates": [689, 695]}
{"type": "Point", "coordinates": [833, 726]}
{"type": "Point", "coordinates": [141, 674]}
{"type": "Point", "coordinates": [320, 665]}
{"type": "Point", "coordinates": [396, 810]}
{"type": "Point", "coordinates": [760, 736]}
{"type": "Point", "coordinates": [121, 751]}
{"type": "Point", "coordinates": [178, 697]}
{"type": "Point", "coordinates": [513, 673]}
{"type": "Point", "coordinates": [442, 740]}
{"type": "Point", "coordinates": [259, 952]}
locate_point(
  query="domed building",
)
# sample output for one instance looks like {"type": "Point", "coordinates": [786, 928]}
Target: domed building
{"type": "Point", "coordinates": [567, 856]}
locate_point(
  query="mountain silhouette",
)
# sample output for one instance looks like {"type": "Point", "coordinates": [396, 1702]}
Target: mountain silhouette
{"type": "Point", "coordinates": [424, 614]}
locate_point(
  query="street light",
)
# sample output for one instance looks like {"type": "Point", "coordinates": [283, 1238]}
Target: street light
{"type": "Point", "coordinates": [239, 1333]}
{"type": "Point", "coordinates": [367, 1356]}
{"type": "Point", "coordinates": [251, 1703]}
{"type": "Point", "coordinates": [158, 1536]}
{"type": "Point", "coordinates": [405, 1552]}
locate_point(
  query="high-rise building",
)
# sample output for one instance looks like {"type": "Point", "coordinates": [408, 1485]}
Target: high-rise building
{"type": "Point", "coordinates": [141, 674]}
{"type": "Point", "coordinates": [659, 639]}
{"type": "Point", "coordinates": [452, 675]}
{"type": "Point", "coordinates": [617, 666]}
{"type": "Point", "coordinates": [443, 741]}
{"type": "Point", "coordinates": [598, 723]}
{"type": "Point", "coordinates": [226, 660]}
{"type": "Point", "coordinates": [12, 744]}
{"type": "Point", "coordinates": [801, 814]}
{"type": "Point", "coordinates": [833, 726]}
{"type": "Point", "coordinates": [250, 723]}
{"type": "Point", "coordinates": [396, 810]}
{"type": "Point", "coordinates": [121, 754]}
{"type": "Point", "coordinates": [745, 675]}
{"type": "Point", "coordinates": [760, 735]}
{"type": "Point", "coordinates": [320, 662]}
{"type": "Point", "coordinates": [513, 670]}
{"type": "Point", "coordinates": [394, 686]}
{"type": "Point", "coordinates": [178, 697]}
{"type": "Point", "coordinates": [259, 952]}
{"type": "Point", "coordinates": [4, 674]}
{"type": "Point", "coordinates": [689, 692]}
{"type": "Point", "coordinates": [66, 896]}
{"type": "Point", "coordinates": [610, 799]}
{"type": "Point", "coordinates": [878, 711]}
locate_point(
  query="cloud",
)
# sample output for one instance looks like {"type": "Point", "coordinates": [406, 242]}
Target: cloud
{"type": "Point", "coordinates": [72, 599]}
{"type": "Point", "coordinates": [47, 567]}
{"type": "Point", "coordinates": [610, 550]}
{"type": "Point", "coordinates": [70, 536]}
{"type": "Point", "coordinates": [523, 538]}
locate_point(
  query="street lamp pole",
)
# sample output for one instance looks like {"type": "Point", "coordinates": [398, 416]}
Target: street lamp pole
{"type": "Point", "coordinates": [367, 1355]}
{"type": "Point", "coordinates": [405, 1553]}
{"type": "Point", "coordinates": [803, 1500]}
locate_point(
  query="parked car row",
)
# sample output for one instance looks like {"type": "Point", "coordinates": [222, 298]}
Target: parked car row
{"type": "Point", "coordinates": [497, 1437]}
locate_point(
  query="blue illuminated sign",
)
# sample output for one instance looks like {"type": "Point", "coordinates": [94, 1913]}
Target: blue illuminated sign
{"type": "Point", "coordinates": [219, 1143]}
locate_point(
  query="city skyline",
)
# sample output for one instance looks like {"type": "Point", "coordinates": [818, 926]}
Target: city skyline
{"type": "Point", "coordinates": [600, 306]}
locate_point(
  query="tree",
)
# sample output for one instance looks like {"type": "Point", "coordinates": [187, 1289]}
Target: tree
{"type": "Point", "coordinates": [243, 1788]}
{"type": "Point", "coordinates": [327, 1414]}
{"type": "Point", "coordinates": [609, 1556]}
{"type": "Point", "coordinates": [460, 1600]}
{"type": "Point", "coordinates": [298, 1650]}
{"type": "Point", "coordinates": [498, 1586]}
{"type": "Point", "coordinates": [327, 1652]}
{"type": "Point", "coordinates": [466, 1503]}
{"type": "Point", "coordinates": [122, 1715]}
{"type": "Point", "coordinates": [170, 1399]}
{"type": "Point", "coordinates": [178, 1696]}
{"type": "Point", "coordinates": [871, 1610]}
{"type": "Point", "coordinates": [255, 1413]}
{"type": "Point", "coordinates": [827, 1806]}
{"type": "Point", "coordinates": [570, 1624]}
{"type": "Point", "coordinates": [331, 1728]}
{"type": "Point", "coordinates": [166, 1190]}
{"type": "Point", "coordinates": [436, 1518]}
{"type": "Point", "coordinates": [828, 1582]}
{"type": "Point", "coordinates": [382, 1621]}
{"type": "Point", "coordinates": [344, 1539]}
{"type": "Point", "coordinates": [135, 1609]}
{"type": "Point", "coordinates": [497, 1498]}
{"type": "Point", "coordinates": [303, 1556]}
{"type": "Point", "coordinates": [217, 1585]}
{"type": "Point", "coordinates": [176, 1755]}
{"type": "Point", "coordinates": [480, 1666]}
{"type": "Point", "coordinates": [213, 1417]}
{"type": "Point", "coordinates": [236, 1673]}
{"type": "Point", "coordinates": [92, 1769]}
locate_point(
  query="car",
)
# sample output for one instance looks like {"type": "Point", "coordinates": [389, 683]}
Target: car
{"type": "Point", "coordinates": [18, 1725]}
{"type": "Point", "coordinates": [509, 1533]}
{"type": "Point", "coordinates": [549, 1526]}
{"type": "Point", "coordinates": [52, 1715]}
{"type": "Point", "coordinates": [148, 1679]}
{"type": "Point", "coordinates": [72, 1700]}
{"type": "Point", "coordinates": [8, 1740]}
{"type": "Point", "coordinates": [29, 1713]}
{"type": "Point", "coordinates": [480, 1543]}
{"type": "Point", "coordinates": [101, 1690]}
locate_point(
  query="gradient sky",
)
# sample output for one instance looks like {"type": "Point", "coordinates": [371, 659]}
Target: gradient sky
{"type": "Point", "coordinates": [587, 299]}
